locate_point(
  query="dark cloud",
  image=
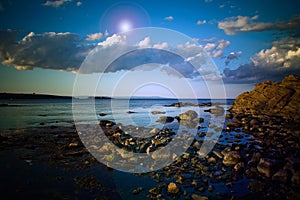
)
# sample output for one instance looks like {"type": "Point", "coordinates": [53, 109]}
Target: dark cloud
{"type": "Point", "coordinates": [238, 24]}
{"type": "Point", "coordinates": [232, 56]}
{"type": "Point", "coordinates": [62, 51]}
{"type": "Point", "coordinates": [67, 51]}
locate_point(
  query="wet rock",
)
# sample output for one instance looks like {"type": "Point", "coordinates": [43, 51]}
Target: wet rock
{"type": "Point", "coordinates": [164, 119]}
{"type": "Point", "coordinates": [130, 112]}
{"type": "Point", "coordinates": [239, 166]}
{"type": "Point", "coordinates": [256, 186]}
{"type": "Point", "coordinates": [255, 159]}
{"type": "Point", "coordinates": [211, 160]}
{"type": "Point", "coordinates": [73, 144]}
{"type": "Point", "coordinates": [254, 122]}
{"type": "Point", "coordinates": [189, 115]}
{"type": "Point", "coordinates": [199, 197]}
{"type": "Point", "coordinates": [154, 131]}
{"type": "Point", "coordinates": [229, 116]}
{"type": "Point", "coordinates": [156, 112]}
{"type": "Point", "coordinates": [281, 175]}
{"type": "Point", "coordinates": [137, 190]}
{"type": "Point", "coordinates": [231, 158]}
{"type": "Point", "coordinates": [87, 182]}
{"type": "Point", "coordinates": [218, 128]}
{"type": "Point", "coordinates": [197, 145]}
{"type": "Point", "coordinates": [154, 190]}
{"type": "Point", "coordinates": [106, 123]}
{"type": "Point", "coordinates": [239, 136]}
{"type": "Point", "coordinates": [296, 178]}
{"type": "Point", "coordinates": [210, 188]}
{"type": "Point", "coordinates": [265, 166]}
{"type": "Point", "coordinates": [179, 104]}
{"type": "Point", "coordinates": [201, 134]}
{"type": "Point", "coordinates": [188, 123]}
{"type": "Point", "coordinates": [102, 114]}
{"type": "Point", "coordinates": [179, 179]}
{"type": "Point", "coordinates": [218, 154]}
{"type": "Point", "coordinates": [173, 188]}
{"type": "Point", "coordinates": [198, 120]}
{"type": "Point", "coordinates": [229, 184]}
{"type": "Point", "coordinates": [217, 110]}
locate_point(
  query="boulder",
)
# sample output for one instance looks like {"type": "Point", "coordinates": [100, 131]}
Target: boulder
{"type": "Point", "coordinates": [278, 99]}
{"type": "Point", "coordinates": [189, 115]}
{"type": "Point", "coordinates": [217, 110]}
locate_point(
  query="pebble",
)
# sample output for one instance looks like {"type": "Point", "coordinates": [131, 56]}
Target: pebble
{"type": "Point", "coordinates": [265, 166]}
{"type": "Point", "coordinates": [218, 154]}
{"type": "Point", "coordinates": [73, 144]}
{"type": "Point", "coordinates": [173, 188]}
{"type": "Point", "coordinates": [198, 197]}
{"type": "Point", "coordinates": [231, 158]}
{"type": "Point", "coordinates": [137, 190]}
{"type": "Point", "coordinates": [211, 160]}
{"type": "Point", "coordinates": [210, 188]}
{"type": "Point", "coordinates": [281, 176]}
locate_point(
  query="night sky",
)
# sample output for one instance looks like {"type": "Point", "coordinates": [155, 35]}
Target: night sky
{"type": "Point", "coordinates": [43, 43]}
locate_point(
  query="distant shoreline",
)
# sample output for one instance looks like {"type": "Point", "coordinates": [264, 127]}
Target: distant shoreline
{"type": "Point", "coordinates": [12, 96]}
{"type": "Point", "coordinates": [39, 96]}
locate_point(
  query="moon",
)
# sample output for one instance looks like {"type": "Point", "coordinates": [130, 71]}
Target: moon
{"type": "Point", "coordinates": [125, 25]}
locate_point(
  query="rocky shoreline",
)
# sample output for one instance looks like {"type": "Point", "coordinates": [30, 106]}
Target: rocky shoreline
{"type": "Point", "coordinates": [255, 157]}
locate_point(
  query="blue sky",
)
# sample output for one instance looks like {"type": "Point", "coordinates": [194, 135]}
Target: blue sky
{"type": "Point", "coordinates": [43, 43]}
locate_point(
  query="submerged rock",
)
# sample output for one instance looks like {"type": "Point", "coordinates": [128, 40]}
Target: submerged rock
{"type": "Point", "coordinates": [156, 112]}
{"type": "Point", "coordinates": [130, 112]}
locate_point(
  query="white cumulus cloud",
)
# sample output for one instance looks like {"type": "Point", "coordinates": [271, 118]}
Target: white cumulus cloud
{"type": "Point", "coordinates": [201, 22]}
{"type": "Point", "coordinates": [94, 36]}
{"type": "Point", "coordinates": [281, 59]}
{"type": "Point", "coordinates": [169, 18]}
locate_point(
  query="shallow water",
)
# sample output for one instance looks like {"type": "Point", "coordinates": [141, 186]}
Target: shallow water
{"type": "Point", "coordinates": [25, 113]}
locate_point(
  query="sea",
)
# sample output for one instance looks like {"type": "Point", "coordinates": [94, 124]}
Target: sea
{"type": "Point", "coordinates": [26, 113]}
{"type": "Point", "coordinates": [36, 113]}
